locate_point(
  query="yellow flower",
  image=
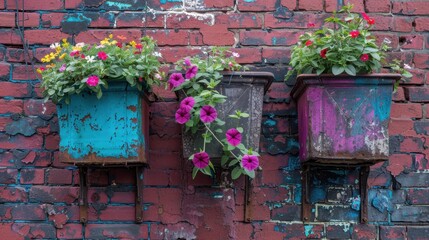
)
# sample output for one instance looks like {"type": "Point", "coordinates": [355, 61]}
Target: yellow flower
{"type": "Point", "coordinates": [76, 48]}
{"type": "Point", "coordinates": [39, 71]}
{"type": "Point", "coordinates": [63, 56]}
{"type": "Point", "coordinates": [65, 43]}
{"type": "Point", "coordinates": [50, 65]}
{"type": "Point", "coordinates": [110, 35]}
{"type": "Point", "coordinates": [105, 41]}
{"type": "Point", "coordinates": [132, 43]}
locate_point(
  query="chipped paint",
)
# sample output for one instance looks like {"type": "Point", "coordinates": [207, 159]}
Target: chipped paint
{"type": "Point", "coordinates": [308, 229]}
{"type": "Point", "coordinates": [208, 18]}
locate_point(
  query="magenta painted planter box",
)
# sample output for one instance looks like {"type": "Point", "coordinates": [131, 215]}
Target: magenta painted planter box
{"type": "Point", "coordinates": [344, 119]}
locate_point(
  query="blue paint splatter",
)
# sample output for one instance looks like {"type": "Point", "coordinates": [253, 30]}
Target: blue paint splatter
{"type": "Point", "coordinates": [270, 123]}
{"type": "Point", "coordinates": [121, 6]}
{"type": "Point", "coordinates": [165, 1]}
{"type": "Point", "coordinates": [249, 1]}
{"type": "Point", "coordinates": [356, 203]}
{"type": "Point", "coordinates": [78, 17]}
{"type": "Point", "coordinates": [308, 230]}
{"type": "Point", "coordinates": [297, 193]}
{"type": "Point", "coordinates": [274, 41]}
{"type": "Point", "coordinates": [317, 194]}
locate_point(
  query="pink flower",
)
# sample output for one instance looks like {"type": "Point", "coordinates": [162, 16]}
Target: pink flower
{"type": "Point", "coordinates": [187, 62]}
{"type": "Point", "coordinates": [354, 33]}
{"type": "Point", "coordinates": [370, 21]}
{"type": "Point", "coordinates": [233, 136]}
{"type": "Point", "coordinates": [191, 72]}
{"type": "Point", "coordinates": [364, 57]}
{"type": "Point", "coordinates": [235, 54]}
{"type": "Point", "coordinates": [92, 81]}
{"type": "Point", "coordinates": [74, 53]}
{"type": "Point", "coordinates": [62, 68]}
{"type": "Point", "coordinates": [182, 115]}
{"type": "Point", "coordinates": [176, 79]}
{"type": "Point", "coordinates": [323, 53]}
{"type": "Point", "coordinates": [250, 162]}
{"type": "Point", "coordinates": [201, 160]}
{"type": "Point", "coordinates": [102, 55]}
{"type": "Point", "coordinates": [187, 103]}
{"type": "Point", "coordinates": [308, 43]}
{"type": "Point", "coordinates": [208, 114]}
{"type": "Point", "coordinates": [139, 46]}
{"type": "Point", "coordinates": [365, 16]}
{"type": "Point", "coordinates": [311, 25]}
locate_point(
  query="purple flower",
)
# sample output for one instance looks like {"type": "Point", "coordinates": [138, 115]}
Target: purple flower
{"type": "Point", "coordinates": [208, 114]}
{"type": "Point", "coordinates": [176, 79]}
{"type": "Point", "coordinates": [191, 72]}
{"type": "Point", "coordinates": [187, 103]}
{"type": "Point", "coordinates": [250, 162]}
{"type": "Point", "coordinates": [187, 62]}
{"type": "Point", "coordinates": [182, 115]}
{"type": "Point", "coordinates": [62, 68]}
{"type": "Point", "coordinates": [201, 160]}
{"type": "Point", "coordinates": [233, 136]}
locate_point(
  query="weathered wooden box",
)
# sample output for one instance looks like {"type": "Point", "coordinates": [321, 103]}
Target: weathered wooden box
{"type": "Point", "coordinates": [110, 130]}
{"type": "Point", "coordinates": [344, 119]}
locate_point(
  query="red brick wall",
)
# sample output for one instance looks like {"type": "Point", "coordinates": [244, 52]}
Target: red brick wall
{"type": "Point", "coordinates": [39, 195]}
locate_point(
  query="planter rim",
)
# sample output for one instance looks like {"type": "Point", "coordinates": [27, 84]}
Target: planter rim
{"type": "Point", "coordinates": [258, 77]}
{"type": "Point", "coordinates": [304, 80]}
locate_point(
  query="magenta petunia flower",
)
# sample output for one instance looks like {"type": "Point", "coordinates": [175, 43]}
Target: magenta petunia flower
{"type": "Point", "coordinates": [62, 68]}
{"type": "Point", "coordinates": [250, 162]}
{"type": "Point", "coordinates": [354, 33]}
{"type": "Point", "coordinates": [92, 81]}
{"type": "Point", "coordinates": [365, 16]}
{"type": "Point", "coordinates": [308, 43]}
{"type": "Point", "coordinates": [364, 57]}
{"type": "Point", "coordinates": [201, 160]}
{"type": "Point", "coordinates": [102, 55]}
{"type": "Point", "coordinates": [182, 115]}
{"type": "Point", "coordinates": [191, 72]}
{"type": "Point", "coordinates": [176, 79]}
{"type": "Point", "coordinates": [187, 62]}
{"type": "Point", "coordinates": [187, 103]}
{"type": "Point", "coordinates": [208, 114]}
{"type": "Point", "coordinates": [323, 53]}
{"type": "Point", "coordinates": [233, 136]}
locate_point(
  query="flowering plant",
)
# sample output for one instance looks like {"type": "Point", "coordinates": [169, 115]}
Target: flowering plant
{"type": "Point", "coordinates": [72, 69]}
{"type": "Point", "coordinates": [197, 79]}
{"type": "Point", "coordinates": [348, 47]}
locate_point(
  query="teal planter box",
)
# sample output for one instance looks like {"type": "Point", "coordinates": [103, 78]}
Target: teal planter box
{"type": "Point", "coordinates": [110, 130]}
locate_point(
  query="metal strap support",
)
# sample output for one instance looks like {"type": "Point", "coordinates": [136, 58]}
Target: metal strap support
{"type": "Point", "coordinates": [139, 194]}
{"type": "Point", "coordinates": [83, 194]}
{"type": "Point", "coordinates": [363, 188]}
{"type": "Point", "coordinates": [305, 189]}
{"type": "Point", "coordinates": [247, 199]}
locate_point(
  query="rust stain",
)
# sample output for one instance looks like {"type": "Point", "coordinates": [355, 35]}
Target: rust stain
{"type": "Point", "coordinates": [134, 120]}
{"type": "Point", "coordinates": [132, 108]}
{"type": "Point", "coordinates": [85, 118]}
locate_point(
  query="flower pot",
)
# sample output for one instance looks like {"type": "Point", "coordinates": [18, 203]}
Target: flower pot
{"type": "Point", "coordinates": [110, 130]}
{"type": "Point", "coordinates": [344, 119]}
{"type": "Point", "coordinates": [245, 92]}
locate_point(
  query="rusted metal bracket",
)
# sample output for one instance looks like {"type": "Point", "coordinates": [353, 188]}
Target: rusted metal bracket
{"type": "Point", "coordinates": [139, 194]}
{"type": "Point", "coordinates": [363, 188]}
{"type": "Point", "coordinates": [83, 194]}
{"type": "Point", "coordinates": [247, 199]}
{"type": "Point", "coordinates": [305, 189]}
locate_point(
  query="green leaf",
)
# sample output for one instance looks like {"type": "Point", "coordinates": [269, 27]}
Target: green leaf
{"type": "Point", "coordinates": [224, 160]}
{"type": "Point", "coordinates": [337, 69]}
{"type": "Point", "coordinates": [351, 70]}
{"type": "Point", "coordinates": [194, 172]}
{"type": "Point", "coordinates": [251, 174]}
{"type": "Point", "coordinates": [233, 162]}
{"type": "Point", "coordinates": [99, 94]}
{"type": "Point", "coordinates": [236, 172]}
{"type": "Point", "coordinates": [240, 129]}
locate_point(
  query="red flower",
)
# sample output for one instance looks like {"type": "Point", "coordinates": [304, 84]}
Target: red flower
{"type": "Point", "coordinates": [139, 46]}
{"type": "Point", "coordinates": [82, 55]}
{"type": "Point", "coordinates": [119, 44]}
{"type": "Point", "coordinates": [74, 53]}
{"type": "Point", "coordinates": [310, 25]}
{"type": "Point", "coordinates": [102, 55]}
{"type": "Point", "coordinates": [354, 33]}
{"type": "Point", "coordinates": [364, 57]}
{"type": "Point", "coordinates": [365, 16]}
{"type": "Point", "coordinates": [308, 43]}
{"type": "Point", "coordinates": [370, 21]}
{"type": "Point", "coordinates": [323, 53]}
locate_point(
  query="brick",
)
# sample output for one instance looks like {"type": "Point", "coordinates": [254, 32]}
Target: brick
{"type": "Point", "coordinates": [411, 7]}
{"type": "Point", "coordinates": [101, 20]}
{"type": "Point", "coordinates": [44, 36]}
{"type": "Point", "coordinates": [384, 23]}
{"type": "Point", "coordinates": [49, 194]}
{"type": "Point", "coordinates": [272, 38]}
{"type": "Point", "coordinates": [418, 77]}
{"type": "Point", "coordinates": [336, 213]}
{"type": "Point", "coordinates": [412, 42]}
{"type": "Point", "coordinates": [4, 121]}
{"type": "Point", "coordinates": [402, 24]}
{"type": "Point", "coordinates": [122, 231]}
{"type": "Point", "coordinates": [12, 194]}
{"type": "Point", "coordinates": [422, 24]}
{"type": "Point", "coordinates": [18, 55]}
{"type": "Point", "coordinates": [418, 196]}
{"type": "Point", "coordinates": [170, 37]}
{"type": "Point", "coordinates": [32, 176]}
{"type": "Point", "coordinates": [228, 4]}
{"type": "Point", "coordinates": [59, 176]}
{"type": "Point", "coordinates": [52, 142]}
{"type": "Point", "coordinates": [182, 20]}
{"type": "Point", "coordinates": [70, 231]}
{"type": "Point", "coordinates": [123, 197]}
{"type": "Point", "coordinates": [183, 230]}
{"type": "Point", "coordinates": [217, 35]}
{"type": "Point", "coordinates": [38, 107]}
{"type": "Point", "coordinates": [7, 19]}
{"type": "Point", "coordinates": [412, 144]}
{"type": "Point", "coordinates": [36, 5]}
{"type": "Point", "coordinates": [52, 20]}
{"type": "Point", "coordinates": [24, 72]}
{"type": "Point", "coordinates": [275, 55]}
{"type": "Point", "coordinates": [116, 213]}
{"type": "Point", "coordinates": [10, 36]}
{"type": "Point", "coordinates": [382, 6]}
{"type": "Point", "coordinates": [173, 54]}
{"type": "Point", "coordinates": [257, 5]}
{"type": "Point", "coordinates": [399, 94]}
{"type": "Point", "coordinates": [364, 232]}
{"type": "Point", "coordinates": [133, 19]}
{"type": "Point", "coordinates": [417, 94]}
{"type": "Point", "coordinates": [24, 212]}
{"type": "Point", "coordinates": [333, 5]}
{"type": "Point", "coordinates": [310, 5]}
{"type": "Point", "coordinates": [4, 70]}
{"type": "Point", "coordinates": [10, 106]}
{"type": "Point", "coordinates": [295, 20]}
{"type": "Point", "coordinates": [399, 163]}
{"type": "Point", "coordinates": [421, 127]}
{"type": "Point", "coordinates": [406, 110]}
{"type": "Point", "coordinates": [8, 176]}
{"type": "Point", "coordinates": [18, 90]}
{"type": "Point", "coordinates": [410, 214]}
{"type": "Point", "coordinates": [20, 142]}
{"type": "Point", "coordinates": [248, 55]}
{"type": "Point", "coordinates": [96, 35]}
{"type": "Point", "coordinates": [72, 4]}
{"type": "Point", "coordinates": [2, 4]}
{"type": "Point", "coordinates": [287, 213]}
{"type": "Point", "coordinates": [413, 179]}
{"type": "Point", "coordinates": [240, 20]}
{"type": "Point", "coordinates": [417, 233]}
{"type": "Point", "coordinates": [340, 231]}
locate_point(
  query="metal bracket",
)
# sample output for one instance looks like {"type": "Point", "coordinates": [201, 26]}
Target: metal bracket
{"type": "Point", "coordinates": [363, 189]}
{"type": "Point", "coordinates": [247, 199]}
{"type": "Point", "coordinates": [83, 195]}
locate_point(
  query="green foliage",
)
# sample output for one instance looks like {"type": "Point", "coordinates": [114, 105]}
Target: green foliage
{"type": "Point", "coordinates": [343, 46]}
{"type": "Point", "coordinates": [69, 67]}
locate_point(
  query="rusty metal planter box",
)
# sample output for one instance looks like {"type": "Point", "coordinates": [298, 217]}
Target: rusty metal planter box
{"type": "Point", "coordinates": [110, 130]}
{"type": "Point", "coordinates": [245, 92]}
{"type": "Point", "coordinates": [344, 119]}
